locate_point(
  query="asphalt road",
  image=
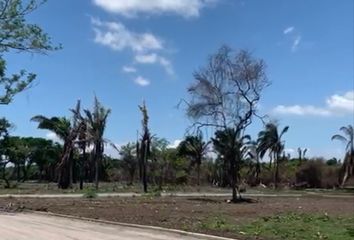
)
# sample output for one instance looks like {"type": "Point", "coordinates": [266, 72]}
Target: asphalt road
{"type": "Point", "coordinates": [28, 226]}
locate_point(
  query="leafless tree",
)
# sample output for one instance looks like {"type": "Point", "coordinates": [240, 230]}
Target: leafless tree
{"type": "Point", "coordinates": [225, 95]}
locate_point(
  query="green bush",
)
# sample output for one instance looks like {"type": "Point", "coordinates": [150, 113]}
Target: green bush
{"type": "Point", "coordinates": [90, 193]}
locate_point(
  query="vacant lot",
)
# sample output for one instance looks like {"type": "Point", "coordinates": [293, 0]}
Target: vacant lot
{"type": "Point", "coordinates": [292, 218]}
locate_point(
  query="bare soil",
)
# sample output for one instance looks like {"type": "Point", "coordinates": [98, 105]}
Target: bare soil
{"type": "Point", "coordinates": [183, 213]}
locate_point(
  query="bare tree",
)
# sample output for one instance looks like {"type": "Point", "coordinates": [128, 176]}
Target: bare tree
{"type": "Point", "coordinates": [225, 95]}
{"type": "Point", "coordinates": [145, 144]}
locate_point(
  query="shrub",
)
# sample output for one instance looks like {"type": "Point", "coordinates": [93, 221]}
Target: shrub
{"type": "Point", "coordinates": [90, 193]}
{"type": "Point", "coordinates": [316, 173]}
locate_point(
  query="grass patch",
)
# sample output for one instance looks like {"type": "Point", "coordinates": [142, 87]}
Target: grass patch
{"type": "Point", "coordinates": [90, 193]}
{"type": "Point", "coordinates": [218, 223]}
{"type": "Point", "coordinates": [290, 226]}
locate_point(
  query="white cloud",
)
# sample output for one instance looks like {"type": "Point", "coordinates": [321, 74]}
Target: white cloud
{"type": "Point", "coordinates": [167, 65]}
{"type": "Point", "coordinates": [117, 37]}
{"type": "Point", "coordinates": [52, 136]}
{"type": "Point", "coordinates": [344, 103]}
{"type": "Point", "coordinates": [175, 143]}
{"type": "Point", "coordinates": [131, 8]}
{"type": "Point", "coordinates": [296, 43]}
{"type": "Point", "coordinates": [142, 81]}
{"type": "Point", "coordinates": [335, 105]}
{"type": "Point", "coordinates": [301, 110]}
{"type": "Point", "coordinates": [111, 151]}
{"type": "Point", "coordinates": [294, 36]}
{"type": "Point", "coordinates": [146, 58]}
{"type": "Point", "coordinates": [288, 30]}
{"type": "Point", "coordinates": [129, 69]}
{"type": "Point", "coordinates": [153, 58]}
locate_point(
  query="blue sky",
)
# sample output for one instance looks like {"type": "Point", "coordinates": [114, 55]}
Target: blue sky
{"type": "Point", "coordinates": [126, 51]}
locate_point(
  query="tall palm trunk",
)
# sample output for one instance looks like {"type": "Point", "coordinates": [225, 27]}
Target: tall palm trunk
{"type": "Point", "coordinates": [198, 174]}
{"type": "Point", "coordinates": [276, 172]}
{"type": "Point", "coordinates": [82, 166]}
{"type": "Point", "coordinates": [144, 166]}
{"type": "Point", "coordinates": [98, 156]}
{"type": "Point", "coordinates": [234, 180]}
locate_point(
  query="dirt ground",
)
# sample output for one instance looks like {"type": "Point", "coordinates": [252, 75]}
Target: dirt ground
{"type": "Point", "coordinates": [182, 213]}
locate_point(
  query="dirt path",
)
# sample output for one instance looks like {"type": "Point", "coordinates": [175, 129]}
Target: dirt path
{"type": "Point", "coordinates": [176, 194]}
{"type": "Point", "coordinates": [25, 226]}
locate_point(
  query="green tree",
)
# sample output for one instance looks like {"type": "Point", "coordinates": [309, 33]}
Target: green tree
{"type": "Point", "coordinates": [253, 161]}
{"type": "Point", "coordinates": [63, 128]}
{"type": "Point", "coordinates": [18, 35]}
{"type": "Point", "coordinates": [96, 125]}
{"type": "Point", "coordinates": [271, 140]}
{"type": "Point", "coordinates": [348, 163]}
{"type": "Point", "coordinates": [159, 160]}
{"type": "Point", "coordinates": [5, 127]}
{"type": "Point", "coordinates": [129, 159]}
{"type": "Point", "coordinates": [231, 148]}
{"type": "Point", "coordinates": [44, 153]}
{"type": "Point", "coordinates": [194, 148]}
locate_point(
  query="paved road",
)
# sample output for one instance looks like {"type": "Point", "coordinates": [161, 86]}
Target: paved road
{"type": "Point", "coordinates": [28, 226]}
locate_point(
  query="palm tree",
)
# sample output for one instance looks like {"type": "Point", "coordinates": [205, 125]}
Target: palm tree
{"type": "Point", "coordinates": [252, 157]}
{"type": "Point", "coordinates": [96, 125]}
{"type": "Point", "coordinates": [59, 125]}
{"type": "Point", "coordinates": [230, 147]}
{"type": "Point", "coordinates": [302, 153]}
{"type": "Point", "coordinates": [62, 127]}
{"type": "Point", "coordinates": [194, 148]}
{"type": "Point", "coordinates": [348, 139]}
{"type": "Point", "coordinates": [82, 141]}
{"type": "Point", "coordinates": [270, 140]}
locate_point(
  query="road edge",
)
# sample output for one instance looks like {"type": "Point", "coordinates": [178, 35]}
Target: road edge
{"type": "Point", "coordinates": [131, 225]}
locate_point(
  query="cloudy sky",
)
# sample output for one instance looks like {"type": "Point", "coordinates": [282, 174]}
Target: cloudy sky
{"type": "Point", "coordinates": [125, 51]}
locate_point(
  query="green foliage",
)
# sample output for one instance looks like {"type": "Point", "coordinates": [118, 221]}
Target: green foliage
{"type": "Point", "coordinates": [332, 162]}
{"type": "Point", "coordinates": [218, 223]}
{"type": "Point", "coordinates": [291, 226]}
{"type": "Point", "coordinates": [90, 193]}
{"type": "Point", "coordinates": [16, 34]}
{"type": "Point", "coordinates": [294, 226]}
{"type": "Point", "coordinates": [5, 126]}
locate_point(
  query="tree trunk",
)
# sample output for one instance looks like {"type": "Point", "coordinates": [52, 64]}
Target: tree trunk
{"type": "Point", "coordinates": [96, 173]}
{"type": "Point", "coordinates": [276, 173]}
{"type": "Point", "coordinates": [198, 174]}
{"type": "Point", "coordinates": [18, 175]}
{"type": "Point", "coordinates": [82, 166]}
{"type": "Point", "coordinates": [7, 182]}
{"type": "Point", "coordinates": [144, 168]}
{"type": "Point", "coordinates": [71, 171]}
{"type": "Point", "coordinates": [233, 180]}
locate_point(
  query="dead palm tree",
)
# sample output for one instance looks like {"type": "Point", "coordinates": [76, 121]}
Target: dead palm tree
{"type": "Point", "coordinates": [270, 140]}
{"type": "Point", "coordinates": [144, 151]}
{"type": "Point", "coordinates": [96, 125]}
{"type": "Point", "coordinates": [348, 139]}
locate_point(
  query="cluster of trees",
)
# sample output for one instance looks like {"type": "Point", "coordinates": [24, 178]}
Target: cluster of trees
{"type": "Point", "coordinates": [224, 98]}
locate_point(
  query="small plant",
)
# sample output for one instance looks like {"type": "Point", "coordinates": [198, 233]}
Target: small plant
{"type": "Point", "coordinates": [90, 193]}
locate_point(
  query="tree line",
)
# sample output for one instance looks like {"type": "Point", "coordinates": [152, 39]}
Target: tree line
{"type": "Point", "coordinates": [223, 97]}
